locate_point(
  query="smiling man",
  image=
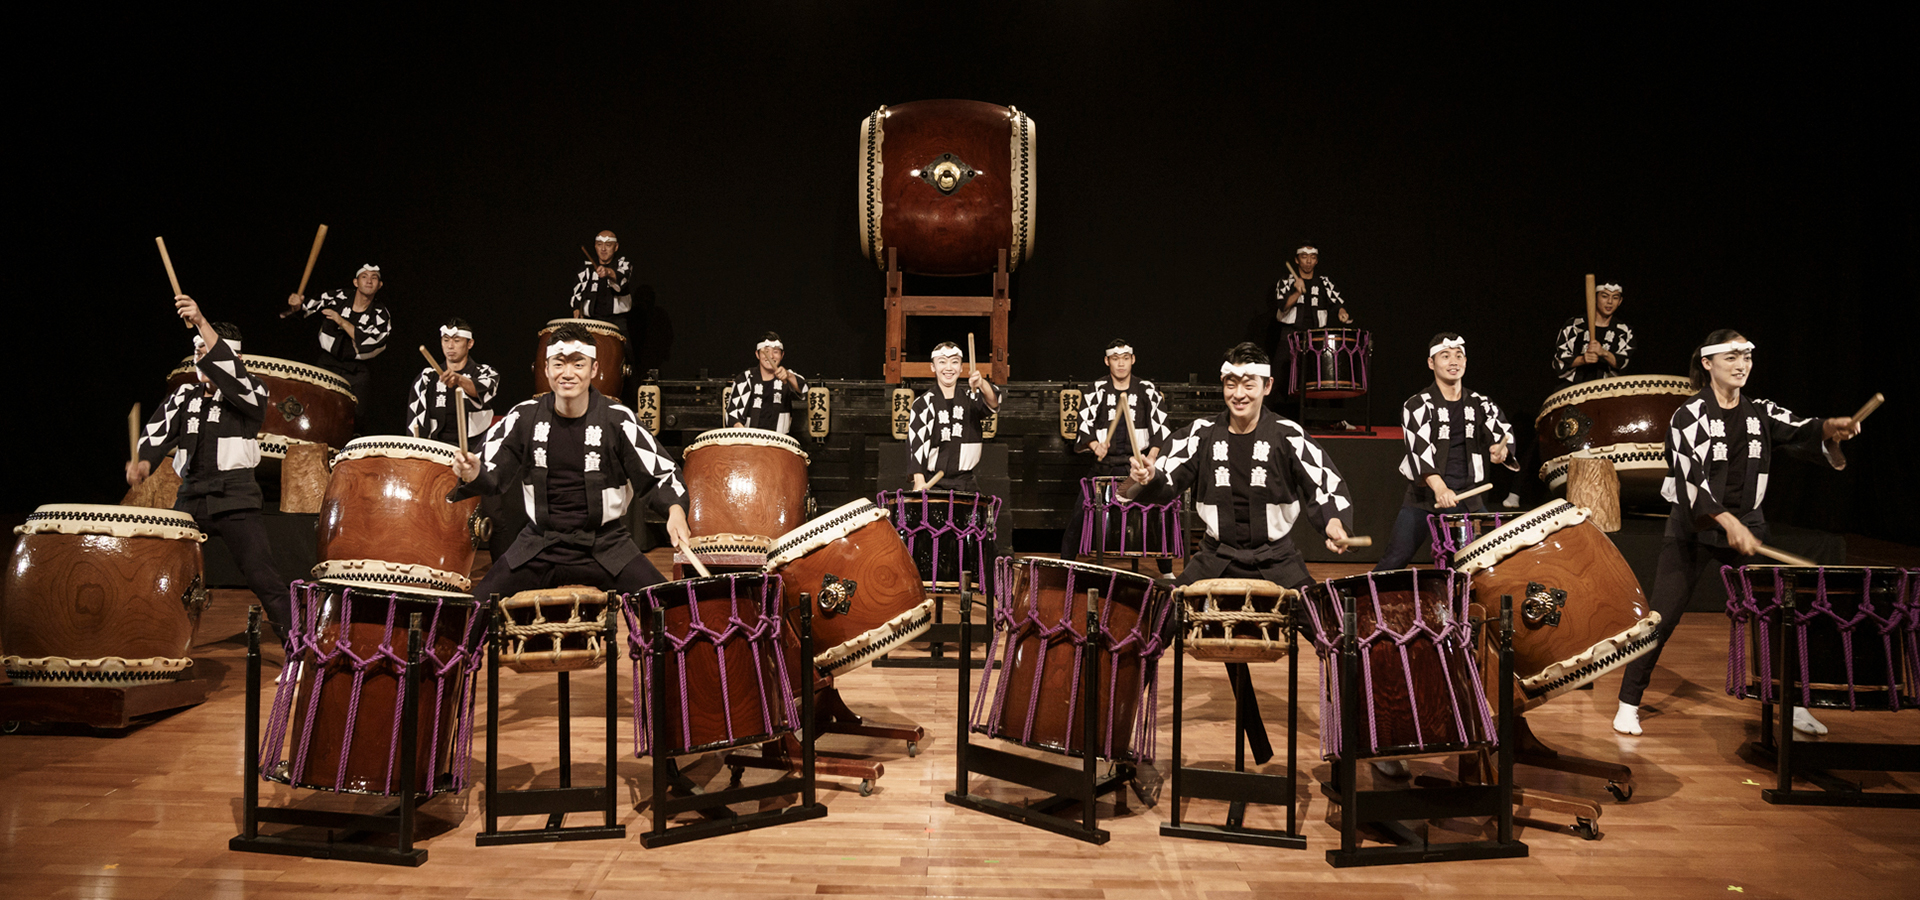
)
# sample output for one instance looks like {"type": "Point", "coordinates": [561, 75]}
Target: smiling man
{"type": "Point", "coordinates": [577, 460]}
{"type": "Point", "coordinates": [944, 435]}
{"type": "Point", "coordinates": [601, 289]}
{"type": "Point", "coordinates": [764, 396]}
{"type": "Point", "coordinates": [465, 384]}
{"type": "Point", "coordinates": [355, 330]}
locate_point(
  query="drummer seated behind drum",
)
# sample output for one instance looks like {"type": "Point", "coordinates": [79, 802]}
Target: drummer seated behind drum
{"type": "Point", "coordinates": [1452, 435]}
{"type": "Point", "coordinates": [1100, 416]}
{"type": "Point", "coordinates": [944, 434]}
{"type": "Point", "coordinates": [763, 396]}
{"type": "Point", "coordinates": [1577, 359]}
{"type": "Point", "coordinates": [212, 425]}
{"type": "Point", "coordinates": [475, 383]}
{"type": "Point", "coordinates": [601, 288]}
{"type": "Point", "coordinates": [577, 460]}
{"type": "Point", "coordinates": [1253, 474]}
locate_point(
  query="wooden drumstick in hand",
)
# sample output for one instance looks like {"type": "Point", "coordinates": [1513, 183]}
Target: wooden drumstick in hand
{"type": "Point", "coordinates": [693, 558]}
{"type": "Point", "coordinates": [935, 479]}
{"type": "Point", "coordinates": [971, 368]}
{"type": "Point", "coordinates": [313, 256]}
{"type": "Point", "coordinates": [1867, 408]}
{"type": "Point", "coordinates": [588, 254]}
{"type": "Point", "coordinates": [431, 361]}
{"type": "Point", "coordinates": [172, 279]}
{"type": "Point", "coordinates": [1132, 435]}
{"type": "Point", "coordinates": [133, 434]}
{"type": "Point", "coordinates": [1473, 491]}
{"type": "Point", "coordinates": [1355, 541]}
{"type": "Point", "coordinates": [1785, 557]}
{"type": "Point", "coordinates": [1592, 312]}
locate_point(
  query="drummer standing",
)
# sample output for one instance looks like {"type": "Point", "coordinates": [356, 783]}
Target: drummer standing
{"type": "Point", "coordinates": [1097, 417]}
{"type": "Point", "coordinates": [355, 331]}
{"type": "Point", "coordinates": [763, 396]}
{"type": "Point", "coordinates": [474, 383]}
{"type": "Point", "coordinates": [212, 425]}
{"type": "Point", "coordinates": [944, 433]}
{"type": "Point", "coordinates": [1719, 452]}
{"type": "Point", "coordinates": [1576, 358]}
{"type": "Point", "coordinates": [577, 460]}
{"type": "Point", "coordinates": [1253, 473]}
{"type": "Point", "coordinates": [1453, 437]}
{"type": "Point", "coordinates": [1304, 300]}
{"type": "Point", "coordinates": [601, 289]}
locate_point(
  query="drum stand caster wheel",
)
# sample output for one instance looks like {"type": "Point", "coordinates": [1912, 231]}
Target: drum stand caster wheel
{"type": "Point", "coordinates": [1620, 792]}
{"type": "Point", "coordinates": [913, 749]}
{"type": "Point", "coordinates": [734, 773]}
{"type": "Point", "coordinates": [11, 726]}
{"type": "Point", "coordinates": [866, 787]}
{"type": "Point", "coordinates": [1586, 829]}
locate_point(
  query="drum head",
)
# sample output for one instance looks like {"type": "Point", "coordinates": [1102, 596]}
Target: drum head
{"type": "Point", "coordinates": [114, 521]}
{"type": "Point", "coordinates": [741, 436]}
{"type": "Point", "coordinates": [821, 531]}
{"type": "Point", "coordinates": [394, 446]}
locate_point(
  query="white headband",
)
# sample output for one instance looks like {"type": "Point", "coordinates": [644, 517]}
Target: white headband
{"type": "Point", "coordinates": [1307, 249]}
{"type": "Point", "coordinates": [450, 331]}
{"type": "Point", "coordinates": [1447, 344]}
{"type": "Point", "coordinates": [765, 344]}
{"type": "Point", "coordinates": [947, 351]}
{"type": "Point", "coordinates": [1608, 287]}
{"type": "Point", "coordinates": [200, 345]}
{"type": "Point", "coordinates": [1712, 349]}
{"type": "Point", "coordinates": [1241, 371]}
{"type": "Point", "coordinates": [605, 239]}
{"type": "Point", "coordinates": [568, 348]}
{"type": "Point", "coordinates": [369, 267]}
{"type": "Point", "coordinates": [1116, 351]}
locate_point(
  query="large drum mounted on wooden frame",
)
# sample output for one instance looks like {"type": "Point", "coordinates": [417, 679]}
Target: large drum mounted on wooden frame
{"type": "Point", "coordinates": [386, 518]}
{"type": "Point", "coordinates": [747, 481]}
{"type": "Point", "coordinates": [609, 347]}
{"type": "Point", "coordinates": [1623, 420]}
{"type": "Point", "coordinates": [100, 596]}
{"type": "Point", "coordinates": [949, 184]}
{"type": "Point", "coordinates": [305, 403]}
{"type": "Point", "coordinates": [853, 567]}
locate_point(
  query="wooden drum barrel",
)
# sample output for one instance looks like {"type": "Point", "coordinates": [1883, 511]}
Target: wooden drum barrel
{"type": "Point", "coordinates": [609, 346]}
{"type": "Point", "coordinates": [386, 518]}
{"type": "Point", "coordinates": [949, 184]}
{"type": "Point", "coordinates": [747, 481]}
{"type": "Point", "coordinates": [101, 596]}
{"type": "Point", "coordinates": [1622, 419]}
{"type": "Point", "coordinates": [858, 574]}
{"type": "Point", "coordinates": [304, 402]}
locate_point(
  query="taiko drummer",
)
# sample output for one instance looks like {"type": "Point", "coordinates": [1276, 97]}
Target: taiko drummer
{"type": "Point", "coordinates": [1305, 300]}
{"type": "Point", "coordinates": [1584, 351]}
{"type": "Point", "coordinates": [944, 434]}
{"type": "Point", "coordinates": [211, 425]}
{"type": "Point", "coordinates": [1143, 425]}
{"type": "Point", "coordinates": [765, 395]}
{"type": "Point", "coordinates": [465, 384]}
{"type": "Point", "coordinates": [355, 330]}
{"type": "Point", "coordinates": [602, 289]}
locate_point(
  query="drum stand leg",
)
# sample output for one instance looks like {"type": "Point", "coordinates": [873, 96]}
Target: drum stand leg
{"type": "Point", "coordinates": [1813, 760]}
{"type": "Point", "coordinates": [554, 803]}
{"type": "Point", "coordinates": [1239, 787]}
{"type": "Point", "coordinates": [345, 831]}
{"type": "Point", "coordinates": [713, 804]}
{"type": "Point", "coordinates": [1387, 809]}
{"type": "Point", "coordinates": [1069, 785]}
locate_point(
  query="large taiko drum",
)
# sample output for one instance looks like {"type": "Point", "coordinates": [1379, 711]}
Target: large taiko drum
{"type": "Point", "coordinates": [1578, 609]}
{"type": "Point", "coordinates": [728, 681]}
{"type": "Point", "coordinates": [1858, 645]}
{"type": "Point", "coordinates": [101, 595]}
{"type": "Point", "coordinates": [1040, 638]}
{"type": "Point", "coordinates": [610, 352]}
{"type": "Point", "coordinates": [1329, 363]}
{"type": "Point", "coordinates": [386, 518]}
{"type": "Point", "coordinates": [337, 713]}
{"type": "Point", "coordinates": [1420, 686]}
{"type": "Point", "coordinates": [305, 403]}
{"type": "Point", "coordinates": [1112, 525]}
{"type": "Point", "coordinates": [745, 481]}
{"type": "Point", "coordinates": [947, 184]}
{"type": "Point", "coordinates": [947, 533]}
{"type": "Point", "coordinates": [867, 595]}
{"type": "Point", "coordinates": [1623, 420]}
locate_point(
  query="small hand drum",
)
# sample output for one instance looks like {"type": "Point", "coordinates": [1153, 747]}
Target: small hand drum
{"type": "Point", "coordinates": [554, 629]}
{"type": "Point", "coordinates": [1241, 620]}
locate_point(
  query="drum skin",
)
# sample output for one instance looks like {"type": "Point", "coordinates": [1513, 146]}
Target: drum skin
{"type": "Point", "coordinates": [1603, 597]}
{"type": "Point", "coordinates": [1332, 362]}
{"type": "Point", "coordinates": [751, 672]}
{"type": "Point", "coordinates": [749, 489]}
{"type": "Point", "coordinates": [1624, 410]}
{"type": "Point", "coordinates": [395, 510]}
{"type": "Point", "coordinates": [320, 413]}
{"type": "Point", "coordinates": [93, 596]}
{"type": "Point", "coordinates": [886, 583]}
{"type": "Point", "coordinates": [957, 233]}
{"type": "Point", "coordinates": [610, 349]}
{"type": "Point", "coordinates": [323, 709]}
{"type": "Point", "coordinates": [1055, 725]}
{"type": "Point", "coordinates": [1432, 697]}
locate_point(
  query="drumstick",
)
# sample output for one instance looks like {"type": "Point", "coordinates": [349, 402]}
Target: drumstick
{"type": "Point", "coordinates": [1867, 408]}
{"type": "Point", "coordinates": [589, 256]}
{"type": "Point", "coordinates": [319, 237]}
{"type": "Point", "coordinates": [173, 279]}
{"type": "Point", "coordinates": [935, 479]}
{"type": "Point", "coordinates": [1591, 311]}
{"type": "Point", "coordinates": [133, 434]}
{"type": "Point", "coordinates": [1785, 557]}
{"type": "Point", "coordinates": [971, 368]}
{"type": "Point", "coordinates": [1474, 491]}
{"type": "Point", "coordinates": [460, 416]}
{"type": "Point", "coordinates": [431, 361]}
{"type": "Point", "coordinates": [1358, 541]}
{"type": "Point", "coordinates": [698, 566]}
{"type": "Point", "coordinates": [1113, 427]}
{"type": "Point", "coordinates": [1127, 409]}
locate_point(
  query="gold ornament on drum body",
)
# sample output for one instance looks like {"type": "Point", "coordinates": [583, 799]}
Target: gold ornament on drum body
{"type": "Point", "coordinates": [946, 173]}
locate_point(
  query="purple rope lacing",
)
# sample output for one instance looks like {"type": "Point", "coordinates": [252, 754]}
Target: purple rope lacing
{"type": "Point", "coordinates": [1356, 352]}
{"type": "Point", "coordinates": [1092, 499]}
{"type": "Point", "coordinates": [963, 535]}
{"type": "Point", "coordinates": [1441, 535]}
{"type": "Point", "coordinates": [748, 620]}
{"type": "Point", "coordinates": [304, 646]}
{"type": "Point", "coordinates": [1755, 617]}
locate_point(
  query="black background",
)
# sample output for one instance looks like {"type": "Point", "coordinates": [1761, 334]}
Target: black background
{"type": "Point", "coordinates": [1457, 173]}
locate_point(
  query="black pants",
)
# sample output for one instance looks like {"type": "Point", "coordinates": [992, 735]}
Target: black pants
{"type": "Point", "coordinates": [1682, 562]}
{"type": "Point", "coordinates": [1252, 728]}
{"type": "Point", "coordinates": [1410, 533]}
{"type": "Point", "coordinates": [539, 573]}
{"type": "Point", "coordinates": [246, 537]}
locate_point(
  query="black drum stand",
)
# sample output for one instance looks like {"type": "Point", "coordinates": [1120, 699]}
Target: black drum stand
{"type": "Point", "coordinates": [554, 803]}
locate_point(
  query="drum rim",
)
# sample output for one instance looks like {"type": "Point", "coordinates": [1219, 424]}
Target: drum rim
{"type": "Point", "coordinates": [821, 531]}
{"type": "Point", "coordinates": [744, 436]}
{"type": "Point", "coordinates": [1281, 590]}
{"type": "Point", "coordinates": [930, 494]}
{"type": "Point", "coordinates": [597, 326]}
{"type": "Point", "coordinates": [289, 369]}
{"type": "Point", "coordinates": [415, 592]}
{"type": "Point", "coordinates": [1626, 456]}
{"type": "Point", "coordinates": [1047, 561]}
{"type": "Point", "coordinates": [91, 514]}
{"type": "Point", "coordinates": [861, 648]}
{"type": "Point", "coordinates": [1489, 549]}
{"type": "Point", "coordinates": [1357, 331]}
{"type": "Point", "coordinates": [649, 589]}
{"type": "Point", "coordinates": [367, 447]}
{"type": "Point", "coordinates": [1617, 386]}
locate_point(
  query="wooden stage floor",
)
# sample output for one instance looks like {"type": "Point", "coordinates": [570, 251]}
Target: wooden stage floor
{"type": "Point", "coordinates": [147, 813]}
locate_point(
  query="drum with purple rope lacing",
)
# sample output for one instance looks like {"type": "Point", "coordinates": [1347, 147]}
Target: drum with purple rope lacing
{"type": "Point", "coordinates": [335, 724]}
{"type": "Point", "coordinates": [728, 681]}
{"type": "Point", "coordinates": [1039, 644]}
{"type": "Point", "coordinates": [947, 532]}
{"type": "Point", "coordinates": [1452, 532]}
{"type": "Point", "coordinates": [1112, 525]}
{"type": "Point", "coordinates": [1330, 363]}
{"type": "Point", "coordinates": [1420, 688]}
{"type": "Point", "coordinates": [1858, 631]}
